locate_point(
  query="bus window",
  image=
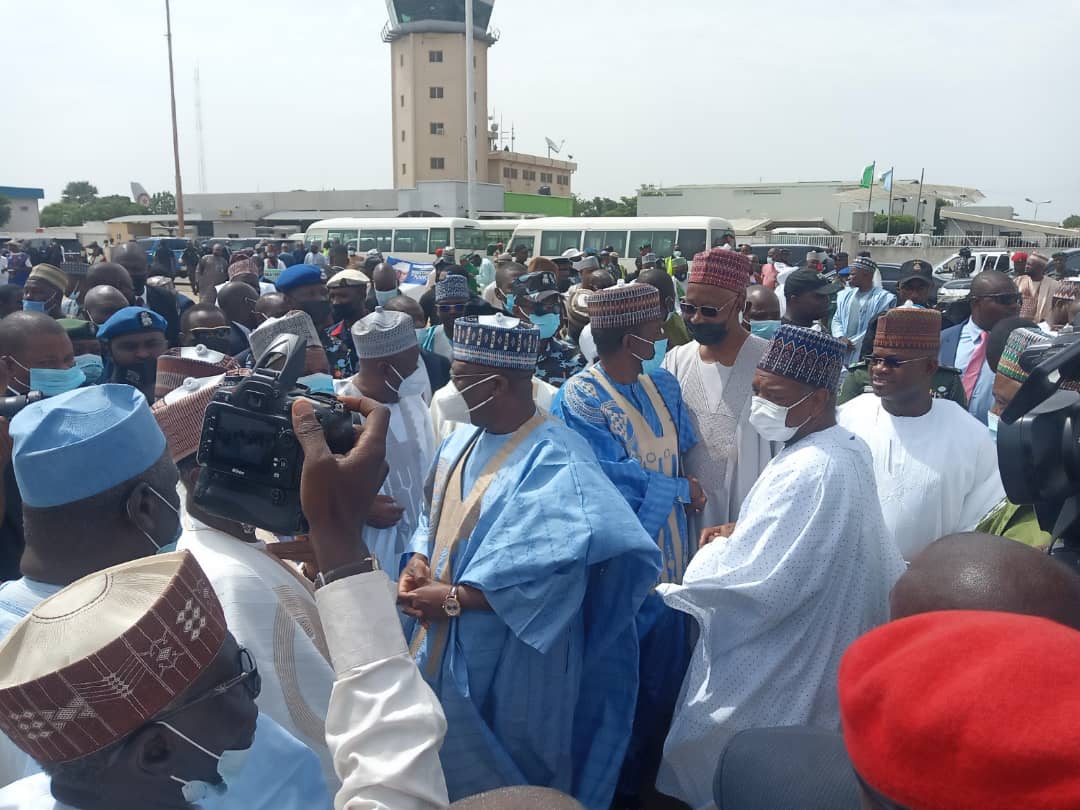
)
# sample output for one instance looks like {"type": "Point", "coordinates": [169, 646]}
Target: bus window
{"type": "Point", "coordinates": [717, 239]}
{"type": "Point", "coordinates": [338, 236]}
{"type": "Point", "coordinates": [494, 237]}
{"type": "Point", "coordinates": [318, 236]}
{"type": "Point", "coordinates": [527, 241]}
{"type": "Point", "coordinates": [661, 241]}
{"type": "Point", "coordinates": [382, 241]}
{"type": "Point", "coordinates": [555, 243]}
{"type": "Point", "coordinates": [440, 238]}
{"type": "Point", "coordinates": [691, 241]}
{"type": "Point", "coordinates": [411, 241]}
{"type": "Point", "coordinates": [469, 239]}
{"type": "Point", "coordinates": [602, 239]}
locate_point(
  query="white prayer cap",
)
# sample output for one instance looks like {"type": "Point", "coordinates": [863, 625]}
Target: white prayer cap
{"type": "Point", "coordinates": [383, 333]}
{"type": "Point", "coordinates": [292, 323]}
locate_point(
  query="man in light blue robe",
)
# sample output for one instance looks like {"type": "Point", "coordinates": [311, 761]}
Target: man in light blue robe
{"type": "Point", "coordinates": [857, 305]}
{"type": "Point", "coordinates": [631, 413]}
{"type": "Point", "coordinates": [527, 575]}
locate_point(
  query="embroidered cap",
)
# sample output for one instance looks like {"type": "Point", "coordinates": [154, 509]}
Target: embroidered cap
{"type": "Point", "coordinates": [496, 340]}
{"type": "Point", "coordinates": [243, 267]}
{"type": "Point", "coordinates": [180, 412]}
{"type": "Point", "coordinates": [864, 263]}
{"type": "Point", "coordinates": [1019, 340]}
{"type": "Point", "coordinates": [53, 276]}
{"type": "Point", "coordinates": [92, 663]}
{"type": "Point", "coordinates": [909, 328]}
{"type": "Point", "coordinates": [1067, 291]}
{"type": "Point", "coordinates": [718, 267]}
{"type": "Point", "coordinates": [291, 323]}
{"type": "Point", "coordinates": [178, 365]}
{"type": "Point", "coordinates": [624, 305]}
{"type": "Point", "coordinates": [383, 333]}
{"type": "Point", "coordinates": [805, 356]}
{"type": "Point", "coordinates": [453, 287]}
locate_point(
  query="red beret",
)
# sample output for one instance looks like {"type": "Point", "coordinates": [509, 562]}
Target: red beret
{"type": "Point", "coordinates": [1020, 257]}
{"type": "Point", "coordinates": [965, 709]}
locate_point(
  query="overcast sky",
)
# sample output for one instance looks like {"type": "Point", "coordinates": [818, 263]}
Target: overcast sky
{"type": "Point", "coordinates": [296, 95]}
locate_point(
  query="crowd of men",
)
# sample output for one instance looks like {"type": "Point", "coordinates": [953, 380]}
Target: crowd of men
{"type": "Point", "coordinates": [700, 533]}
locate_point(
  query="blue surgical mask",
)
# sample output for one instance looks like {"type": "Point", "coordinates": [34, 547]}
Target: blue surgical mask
{"type": "Point", "coordinates": [992, 420]}
{"type": "Point", "coordinates": [659, 350]}
{"type": "Point", "coordinates": [549, 324]}
{"type": "Point", "coordinates": [385, 296]}
{"type": "Point", "coordinates": [276, 771]}
{"type": "Point", "coordinates": [511, 301]}
{"type": "Point", "coordinates": [53, 381]}
{"type": "Point", "coordinates": [33, 306]}
{"type": "Point", "coordinates": [93, 367]}
{"type": "Point", "coordinates": [764, 329]}
{"type": "Point", "coordinates": [425, 336]}
{"type": "Point", "coordinates": [318, 383]}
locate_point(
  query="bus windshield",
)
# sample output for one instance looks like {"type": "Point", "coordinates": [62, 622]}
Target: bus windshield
{"type": "Point", "coordinates": [470, 239]}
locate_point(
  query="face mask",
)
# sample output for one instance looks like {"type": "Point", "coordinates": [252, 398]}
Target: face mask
{"type": "Point", "coordinates": [425, 336]}
{"type": "Point", "coordinates": [707, 334]}
{"type": "Point", "coordinates": [770, 419]}
{"type": "Point", "coordinates": [764, 329]}
{"type": "Point", "coordinates": [139, 375]}
{"type": "Point", "coordinates": [565, 284]}
{"type": "Point", "coordinates": [33, 306]}
{"type": "Point", "coordinates": [93, 367]}
{"type": "Point", "coordinates": [229, 766]}
{"type": "Point", "coordinates": [549, 324]}
{"type": "Point", "coordinates": [659, 350]}
{"type": "Point", "coordinates": [318, 383]}
{"type": "Point", "coordinates": [175, 538]}
{"type": "Point", "coordinates": [385, 296]}
{"type": "Point", "coordinates": [511, 301]}
{"type": "Point", "coordinates": [456, 407]}
{"type": "Point", "coordinates": [992, 420]}
{"type": "Point", "coordinates": [319, 311]}
{"type": "Point", "coordinates": [343, 312]}
{"type": "Point", "coordinates": [53, 381]}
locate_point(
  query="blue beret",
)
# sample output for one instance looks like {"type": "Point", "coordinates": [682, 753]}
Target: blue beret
{"type": "Point", "coordinates": [299, 275]}
{"type": "Point", "coordinates": [83, 442]}
{"type": "Point", "coordinates": [129, 320]}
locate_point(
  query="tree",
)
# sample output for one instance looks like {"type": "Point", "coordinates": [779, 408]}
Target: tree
{"type": "Point", "coordinates": [115, 205]}
{"type": "Point", "coordinates": [164, 202]}
{"type": "Point", "coordinates": [5, 210]}
{"type": "Point", "coordinates": [605, 207]}
{"type": "Point", "coordinates": [901, 223]}
{"type": "Point", "coordinates": [1070, 222]}
{"type": "Point", "coordinates": [61, 214]}
{"type": "Point", "coordinates": [79, 192]}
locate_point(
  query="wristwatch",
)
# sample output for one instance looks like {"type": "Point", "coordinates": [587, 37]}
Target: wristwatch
{"type": "Point", "coordinates": [451, 606]}
{"type": "Point", "coordinates": [364, 566]}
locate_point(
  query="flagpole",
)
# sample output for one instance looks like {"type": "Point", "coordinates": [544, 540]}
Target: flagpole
{"type": "Point", "coordinates": [888, 221]}
{"type": "Point", "coordinates": [918, 200]}
{"type": "Point", "coordinates": [175, 138]}
{"type": "Point", "coordinates": [870, 201]}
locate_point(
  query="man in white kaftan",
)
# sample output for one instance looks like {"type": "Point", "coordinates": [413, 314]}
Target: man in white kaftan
{"type": "Point", "coordinates": [807, 570]}
{"type": "Point", "coordinates": [935, 465]}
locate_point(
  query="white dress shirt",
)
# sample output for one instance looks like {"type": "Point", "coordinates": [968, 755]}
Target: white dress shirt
{"type": "Point", "coordinates": [969, 339]}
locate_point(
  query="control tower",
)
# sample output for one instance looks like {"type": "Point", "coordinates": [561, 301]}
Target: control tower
{"type": "Point", "coordinates": [427, 51]}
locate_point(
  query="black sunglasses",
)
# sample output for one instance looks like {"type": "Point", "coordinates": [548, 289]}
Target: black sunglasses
{"type": "Point", "coordinates": [890, 360]}
{"type": "Point", "coordinates": [450, 309]}
{"type": "Point", "coordinates": [688, 310]}
{"type": "Point", "coordinates": [249, 677]}
{"type": "Point", "coordinates": [1005, 299]}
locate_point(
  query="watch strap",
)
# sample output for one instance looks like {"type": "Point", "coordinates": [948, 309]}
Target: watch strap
{"type": "Point", "coordinates": [364, 566]}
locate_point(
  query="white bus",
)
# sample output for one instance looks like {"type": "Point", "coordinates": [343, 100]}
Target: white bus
{"type": "Point", "coordinates": [413, 238]}
{"type": "Point", "coordinates": [552, 236]}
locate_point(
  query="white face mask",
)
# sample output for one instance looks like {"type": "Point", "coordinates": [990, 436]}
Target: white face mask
{"type": "Point", "coordinates": [992, 421]}
{"type": "Point", "coordinates": [412, 385]}
{"type": "Point", "coordinates": [456, 408]}
{"type": "Point", "coordinates": [770, 419]}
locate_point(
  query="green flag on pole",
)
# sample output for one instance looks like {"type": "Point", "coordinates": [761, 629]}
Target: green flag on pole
{"type": "Point", "coordinates": [867, 176]}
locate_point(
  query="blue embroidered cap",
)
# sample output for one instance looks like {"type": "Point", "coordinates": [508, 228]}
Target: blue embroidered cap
{"type": "Point", "coordinates": [452, 287]}
{"type": "Point", "coordinates": [299, 275]}
{"type": "Point", "coordinates": [129, 320]}
{"type": "Point", "coordinates": [83, 442]}
{"type": "Point", "coordinates": [497, 340]}
{"type": "Point", "coordinates": [805, 356]}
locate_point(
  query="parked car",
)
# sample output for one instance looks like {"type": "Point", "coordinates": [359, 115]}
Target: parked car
{"type": "Point", "coordinates": [1072, 262]}
{"type": "Point", "coordinates": [152, 244]}
{"type": "Point", "coordinates": [983, 260]}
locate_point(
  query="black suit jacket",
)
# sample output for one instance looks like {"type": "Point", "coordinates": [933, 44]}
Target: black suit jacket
{"type": "Point", "coordinates": [438, 369]}
{"type": "Point", "coordinates": [165, 304]}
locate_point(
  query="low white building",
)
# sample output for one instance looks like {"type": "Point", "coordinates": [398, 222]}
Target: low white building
{"type": "Point", "coordinates": [24, 209]}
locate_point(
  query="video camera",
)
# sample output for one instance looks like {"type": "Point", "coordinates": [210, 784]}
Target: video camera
{"type": "Point", "coordinates": [1039, 442]}
{"type": "Point", "coordinates": [9, 406]}
{"type": "Point", "coordinates": [249, 453]}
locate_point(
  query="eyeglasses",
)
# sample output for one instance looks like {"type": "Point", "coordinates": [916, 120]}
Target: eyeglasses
{"type": "Point", "coordinates": [1005, 299]}
{"type": "Point", "coordinates": [890, 361]}
{"type": "Point", "coordinates": [450, 309]}
{"type": "Point", "coordinates": [249, 677]}
{"type": "Point", "coordinates": [215, 331]}
{"type": "Point", "coordinates": [688, 310]}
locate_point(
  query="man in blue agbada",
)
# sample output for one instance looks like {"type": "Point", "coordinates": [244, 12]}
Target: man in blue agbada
{"type": "Point", "coordinates": [631, 412]}
{"type": "Point", "coordinates": [527, 574]}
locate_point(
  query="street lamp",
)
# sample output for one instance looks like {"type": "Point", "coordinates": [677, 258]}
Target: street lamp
{"type": "Point", "coordinates": [1037, 204]}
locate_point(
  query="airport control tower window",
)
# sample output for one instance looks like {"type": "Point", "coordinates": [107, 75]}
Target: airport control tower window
{"type": "Point", "coordinates": [447, 10]}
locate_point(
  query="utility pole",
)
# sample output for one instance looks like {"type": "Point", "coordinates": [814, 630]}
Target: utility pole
{"type": "Point", "coordinates": [470, 112]}
{"type": "Point", "coordinates": [175, 137]}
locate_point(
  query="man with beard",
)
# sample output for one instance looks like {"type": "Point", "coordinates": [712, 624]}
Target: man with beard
{"type": "Point", "coordinates": [132, 340]}
{"type": "Point", "coordinates": [347, 290]}
{"type": "Point", "coordinates": [206, 325]}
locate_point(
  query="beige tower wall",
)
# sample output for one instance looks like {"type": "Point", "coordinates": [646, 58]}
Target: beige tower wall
{"type": "Point", "coordinates": [414, 111]}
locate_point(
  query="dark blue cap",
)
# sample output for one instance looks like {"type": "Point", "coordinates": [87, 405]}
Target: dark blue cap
{"type": "Point", "coordinates": [299, 275]}
{"type": "Point", "coordinates": [130, 320]}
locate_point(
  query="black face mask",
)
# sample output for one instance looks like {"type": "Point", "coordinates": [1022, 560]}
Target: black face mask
{"type": "Point", "coordinates": [318, 310]}
{"type": "Point", "coordinates": [139, 375]}
{"type": "Point", "coordinates": [216, 344]}
{"type": "Point", "coordinates": [344, 312]}
{"type": "Point", "coordinates": [565, 284]}
{"type": "Point", "coordinates": [707, 334]}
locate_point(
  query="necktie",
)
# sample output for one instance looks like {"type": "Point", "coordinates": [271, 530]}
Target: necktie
{"type": "Point", "coordinates": [974, 366]}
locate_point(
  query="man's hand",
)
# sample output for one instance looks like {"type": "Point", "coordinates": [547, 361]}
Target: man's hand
{"type": "Point", "coordinates": [426, 603]}
{"type": "Point", "coordinates": [337, 492]}
{"type": "Point", "coordinates": [715, 532]}
{"type": "Point", "coordinates": [846, 342]}
{"type": "Point", "coordinates": [697, 496]}
{"type": "Point", "coordinates": [385, 512]}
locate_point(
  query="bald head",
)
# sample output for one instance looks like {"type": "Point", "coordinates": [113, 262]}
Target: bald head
{"type": "Point", "coordinates": [762, 304]}
{"type": "Point", "coordinates": [402, 303]}
{"type": "Point", "coordinates": [658, 278]}
{"type": "Point", "coordinates": [111, 274]}
{"type": "Point", "coordinates": [993, 298]}
{"type": "Point", "coordinates": [20, 329]}
{"type": "Point", "coordinates": [272, 305]}
{"type": "Point", "coordinates": [133, 258]}
{"type": "Point", "coordinates": [991, 282]}
{"type": "Point", "coordinates": [237, 300]}
{"type": "Point", "coordinates": [103, 301]}
{"type": "Point", "coordinates": [983, 572]}
{"type": "Point", "coordinates": [518, 798]}
{"type": "Point", "coordinates": [384, 277]}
